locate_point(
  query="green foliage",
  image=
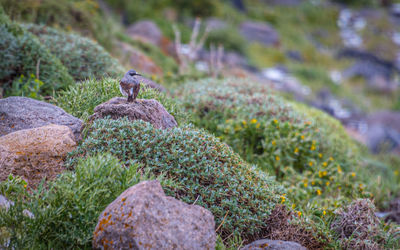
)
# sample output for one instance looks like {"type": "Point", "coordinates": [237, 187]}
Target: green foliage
{"type": "Point", "coordinates": [202, 170]}
{"type": "Point", "coordinates": [66, 212]}
{"type": "Point", "coordinates": [23, 54]}
{"type": "Point", "coordinates": [309, 151]}
{"type": "Point", "coordinates": [27, 86]}
{"type": "Point", "coordinates": [229, 38]}
{"type": "Point", "coordinates": [81, 99]}
{"type": "Point", "coordinates": [83, 16]}
{"type": "Point", "coordinates": [136, 10]}
{"type": "Point", "coordinates": [69, 48]}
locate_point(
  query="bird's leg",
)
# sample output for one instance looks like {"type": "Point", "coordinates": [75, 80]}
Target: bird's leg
{"type": "Point", "coordinates": [130, 99]}
{"type": "Point", "coordinates": [136, 92]}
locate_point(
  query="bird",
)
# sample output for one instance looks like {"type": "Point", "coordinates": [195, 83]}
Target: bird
{"type": "Point", "coordinates": [130, 85]}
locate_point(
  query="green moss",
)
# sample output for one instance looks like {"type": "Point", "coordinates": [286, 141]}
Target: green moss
{"type": "Point", "coordinates": [202, 170]}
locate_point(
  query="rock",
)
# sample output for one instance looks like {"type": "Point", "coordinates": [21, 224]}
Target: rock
{"type": "Point", "coordinates": [368, 61]}
{"type": "Point", "coordinates": [139, 61]}
{"type": "Point", "coordinates": [382, 84]}
{"type": "Point", "coordinates": [259, 32]}
{"type": "Point", "coordinates": [18, 113]}
{"type": "Point", "coordinates": [383, 128]}
{"type": "Point", "coordinates": [274, 245]}
{"type": "Point", "coordinates": [295, 55]}
{"type": "Point", "coordinates": [368, 70]}
{"type": "Point", "coordinates": [35, 153]}
{"type": "Point", "coordinates": [146, 31]}
{"type": "Point", "coordinates": [142, 217]}
{"type": "Point", "coordinates": [216, 23]}
{"type": "Point", "coordinates": [142, 109]}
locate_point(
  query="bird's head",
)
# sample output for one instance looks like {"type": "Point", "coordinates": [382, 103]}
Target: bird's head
{"type": "Point", "coordinates": [132, 73]}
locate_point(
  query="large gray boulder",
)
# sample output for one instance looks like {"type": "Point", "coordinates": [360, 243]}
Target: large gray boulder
{"type": "Point", "coordinates": [17, 113]}
{"type": "Point", "coordinates": [142, 217]}
{"type": "Point", "coordinates": [259, 32]}
{"type": "Point", "coordinates": [148, 110]}
{"type": "Point", "coordinates": [273, 245]}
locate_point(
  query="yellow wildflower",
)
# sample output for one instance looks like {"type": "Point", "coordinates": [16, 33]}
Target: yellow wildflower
{"type": "Point", "coordinates": [327, 183]}
{"type": "Point", "coordinates": [331, 158]}
{"type": "Point", "coordinates": [305, 184]}
{"type": "Point", "coordinates": [275, 121]}
{"type": "Point", "coordinates": [312, 148]}
{"type": "Point", "coordinates": [253, 121]}
{"type": "Point", "coordinates": [258, 125]}
{"type": "Point", "coordinates": [273, 142]}
{"type": "Point", "coordinates": [299, 213]}
{"type": "Point", "coordinates": [353, 174]}
{"type": "Point", "coordinates": [320, 155]}
{"type": "Point", "coordinates": [324, 164]}
{"type": "Point", "coordinates": [320, 174]}
{"type": "Point", "coordinates": [293, 206]}
{"type": "Point", "coordinates": [277, 158]}
{"type": "Point", "coordinates": [339, 169]}
{"type": "Point", "coordinates": [324, 173]}
{"type": "Point", "coordinates": [313, 183]}
{"type": "Point", "coordinates": [310, 163]}
{"type": "Point", "coordinates": [296, 150]}
{"type": "Point", "coordinates": [324, 212]}
{"type": "Point", "coordinates": [283, 198]}
{"type": "Point", "coordinates": [319, 192]}
{"type": "Point", "coordinates": [302, 137]}
{"type": "Point", "coordinates": [244, 122]}
{"type": "Point", "coordinates": [25, 186]}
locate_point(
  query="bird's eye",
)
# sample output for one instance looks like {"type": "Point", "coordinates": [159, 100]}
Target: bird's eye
{"type": "Point", "coordinates": [132, 73]}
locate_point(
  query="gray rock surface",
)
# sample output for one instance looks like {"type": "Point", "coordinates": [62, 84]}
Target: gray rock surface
{"type": "Point", "coordinates": [274, 245]}
{"type": "Point", "coordinates": [146, 31]}
{"type": "Point", "coordinates": [259, 32]}
{"type": "Point", "coordinates": [142, 109]}
{"type": "Point", "coordinates": [18, 113]}
{"type": "Point", "coordinates": [142, 217]}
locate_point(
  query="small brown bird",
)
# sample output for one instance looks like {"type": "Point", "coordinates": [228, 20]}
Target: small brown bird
{"type": "Point", "coordinates": [130, 85]}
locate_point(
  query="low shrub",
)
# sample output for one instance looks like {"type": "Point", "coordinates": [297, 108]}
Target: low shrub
{"type": "Point", "coordinates": [358, 227]}
{"type": "Point", "coordinates": [229, 38]}
{"type": "Point", "coordinates": [81, 99]}
{"type": "Point", "coordinates": [66, 212]}
{"type": "Point", "coordinates": [82, 57]}
{"type": "Point", "coordinates": [23, 54]}
{"type": "Point", "coordinates": [306, 149]}
{"type": "Point", "coordinates": [200, 169]}
{"type": "Point", "coordinates": [83, 16]}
